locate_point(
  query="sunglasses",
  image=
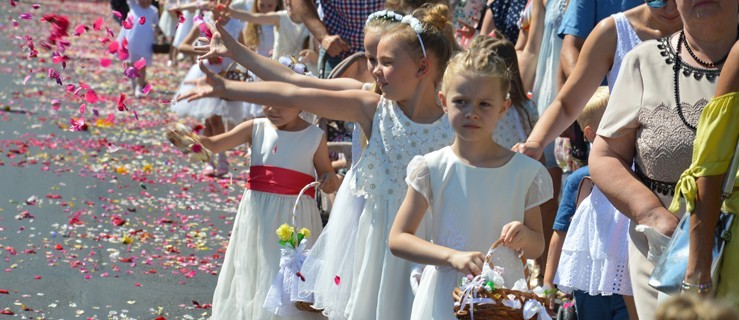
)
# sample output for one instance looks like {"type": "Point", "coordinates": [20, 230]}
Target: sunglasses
{"type": "Point", "coordinates": [656, 3]}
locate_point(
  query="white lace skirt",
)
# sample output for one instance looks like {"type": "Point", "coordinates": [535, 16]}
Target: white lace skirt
{"type": "Point", "coordinates": [328, 268]}
{"type": "Point", "coordinates": [595, 256]}
{"type": "Point", "coordinates": [205, 107]}
{"type": "Point", "coordinates": [253, 255]}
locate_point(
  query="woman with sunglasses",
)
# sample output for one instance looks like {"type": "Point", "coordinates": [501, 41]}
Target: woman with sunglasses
{"type": "Point", "coordinates": [650, 124]}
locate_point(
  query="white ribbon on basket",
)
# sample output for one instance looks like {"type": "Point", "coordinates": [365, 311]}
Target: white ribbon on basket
{"type": "Point", "coordinates": [284, 289]}
{"type": "Point", "coordinates": [469, 294]}
{"type": "Point", "coordinates": [533, 307]}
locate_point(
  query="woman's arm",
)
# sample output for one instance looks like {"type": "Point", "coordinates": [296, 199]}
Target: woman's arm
{"type": "Point", "coordinates": [594, 63]}
{"type": "Point", "coordinates": [272, 18]}
{"type": "Point", "coordinates": [222, 44]}
{"type": "Point", "coordinates": [322, 163]}
{"type": "Point", "coordinates": [488, 22]}
{"type": "Point", "coordinates": [708, 200]}
{"type": "Point", "coordinates": [233, 138]}
{"type": "Point", "coordinates": [529, 56]}
{"type": "Point", "coordinates": [610, 168]}
{"type": "Point", "coordinates": [404, 243]}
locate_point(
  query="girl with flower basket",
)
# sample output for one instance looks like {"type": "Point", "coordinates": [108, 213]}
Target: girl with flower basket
{"type": "Point", "coordinates": [286, 155]}
{"type": "Point", "coordinates": [476, 190]}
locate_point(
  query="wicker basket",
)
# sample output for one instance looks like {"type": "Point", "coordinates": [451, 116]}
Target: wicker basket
{"type": "Point", "coordinates": [306, 307]}
{"type": "Point", "coordinates": [495, 310]}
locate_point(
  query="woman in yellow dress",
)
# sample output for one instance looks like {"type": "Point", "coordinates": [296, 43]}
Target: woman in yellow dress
{"type": "Point", "coordinates": [700, 186]}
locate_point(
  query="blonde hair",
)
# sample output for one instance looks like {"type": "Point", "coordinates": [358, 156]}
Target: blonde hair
{"type": "Point", "coordinates": [594, 109]}
{"type": "Point", "coordinates": [691, 307]}
{"type": "Point", "coordinates": [481, 59]}
{"type": "Point", "coordinates": [253, 31]}
{"type": "Point", "coordinates": [410, 5]}
{"type": "Point", "coordinates": [437, 35]}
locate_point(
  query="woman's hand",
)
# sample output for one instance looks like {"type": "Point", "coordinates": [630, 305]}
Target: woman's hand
{"type": "Point", "coordinates": [212, 85]}
{"type": "Point", "coordinates": [467, 262]}
{"type": "Point", "coordinates": [530, 148]}
{"type": "Point", "coordinates": [220, 43]}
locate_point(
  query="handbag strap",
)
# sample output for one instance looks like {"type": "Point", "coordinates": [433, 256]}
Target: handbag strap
{"type": "Point", "coordinates": [731, 174]}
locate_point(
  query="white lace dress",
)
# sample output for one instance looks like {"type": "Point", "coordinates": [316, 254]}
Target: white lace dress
{"type": "Point", "coordinates": [468, 208]}
{"type": "Point", "coordinates": [350, 270]}
{"type": "Point", "coordinates": [595, 255]}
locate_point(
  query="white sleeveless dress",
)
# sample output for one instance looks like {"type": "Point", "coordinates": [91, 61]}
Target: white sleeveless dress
{"type": "Point", "coordinates": [469, 207]}
{"type": "Point", "coordinates": [598, 235]}
{"type": "Point", "coordinates": [206, 107]}
{"type": "Point", "coordinates": [253, 254]}
{"type": "Point", "coordinates": [350, 270]}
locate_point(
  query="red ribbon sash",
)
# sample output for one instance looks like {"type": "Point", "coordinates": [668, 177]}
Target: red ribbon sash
{"type": "Point", "coordinates": [279, 181]}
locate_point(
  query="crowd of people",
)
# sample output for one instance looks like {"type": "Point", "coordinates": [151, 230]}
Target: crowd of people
{"type": "Point", "coordinates": [469, 122]}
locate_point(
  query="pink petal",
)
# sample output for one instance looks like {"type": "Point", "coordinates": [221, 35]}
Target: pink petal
{"type": "Point", "coordinates": [142, 20]}
{"type": "Point", "coordinates": [36, 6]}
{"type": "Point", "coordinates": [110, 118]}
{"type": "Point", "coordinates": [91, 96]}
{"type": "Point", "coordinates": [117, 14]}
{"type": "Point", "coordinates": [113, 47]}
{"type": "Point", "coordinates": [98, 24]}
{"type": "Point", "coordinates": [57, 59]}
{"type": "Point", "coordinates": [83, 107]}
{"type": "Point", "coordinates": [80, 29]}
{"type": "Point", "coordinates": [26, 79]}
{"type": "Point", "coordinates": [105, 62]}
{"type": "Point", "coordinates": [70, 88]}
{"type": "Point", "coordinates": [337, 280]}
{"type": "Point", "coordinates": [26, 16]}
{"type": "Point", "coordinates": [140, 63]}
{"type": "Point", "coordinates": [146, 88]}
{"type": "Point", "coordinates": [55, 104]}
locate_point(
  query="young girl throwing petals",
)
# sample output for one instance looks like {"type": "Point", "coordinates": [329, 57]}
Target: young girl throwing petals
{"type": "Point", "coordinates": [476, 190]}
{"type": "Point", "coordinates": [286, 153]}
{"type": "Point", "coordinates": [353, 273]}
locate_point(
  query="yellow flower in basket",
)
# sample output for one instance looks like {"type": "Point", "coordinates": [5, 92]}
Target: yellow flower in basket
{"type": "Point", "coordinates": [287, 236]}
{"type": "Point", "coordinates": [285, 232]}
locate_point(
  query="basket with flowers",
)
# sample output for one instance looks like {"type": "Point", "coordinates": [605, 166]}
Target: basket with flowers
{"type": "Point", "coordinates": [486, 296]}
{"type": "Point", "coordinates": [187, 141]}
{"type": "Point", "coordinates": [282, 297]}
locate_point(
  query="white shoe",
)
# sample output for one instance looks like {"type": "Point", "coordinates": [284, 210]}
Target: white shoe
{"type": "Point", "coordinates": [138, 93]}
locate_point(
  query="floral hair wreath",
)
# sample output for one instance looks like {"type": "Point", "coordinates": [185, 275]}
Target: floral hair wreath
{"type": "Point", "coordinates": [384, 15]}
{"type": "Point", "coordinates": [417, 27]}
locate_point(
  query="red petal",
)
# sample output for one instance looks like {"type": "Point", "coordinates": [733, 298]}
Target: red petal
{"type": "Point", "coordinates": [98, 24]}
{"type": "Point", "coordinates": [105, 62]}
{"type": "Point", "coordinates": [140, 63]}
{"type": "Point", "coordinates": [337, 280]}
{"type": "Point", "coordinates": [142, 20]}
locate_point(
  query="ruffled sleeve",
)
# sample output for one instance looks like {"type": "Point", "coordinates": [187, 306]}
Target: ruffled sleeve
{"type": "Point", "coordinates": [540, 190]}
{"type": "Point", "coordinates": [418, 177]}
{"type": "Point", "coordinates": [713, 149]}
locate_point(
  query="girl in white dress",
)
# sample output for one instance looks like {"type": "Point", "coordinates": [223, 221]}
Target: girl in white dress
{"type": "Point", "coordinates": [475, 190]}
{"type": "Point", "coordinates": [140, 38]}
{"type": "Point", "coordinates": [215, 111]}
{"type": "Point", "coordinates": [287, 153]}
{"type": "Point", "coordinates": [350, 270]}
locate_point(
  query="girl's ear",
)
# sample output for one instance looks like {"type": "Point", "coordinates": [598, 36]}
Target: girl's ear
{"type": "Point", "coordinates": [443, 101]}
{"type": "Point", "coordinates": [506, 105]}
{"type": "Point", "coordinates": [423, 68]}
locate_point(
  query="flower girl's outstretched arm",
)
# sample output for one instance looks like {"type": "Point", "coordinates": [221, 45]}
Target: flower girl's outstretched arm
{"type": "Point", "coordinates": [233, 138]}
{"type": "Point", "coordinates": [222, 44]}
{"type": "Point", "coordinates": [270, 18]}
{"type": "Point", "coordinates": [527, 236]}
{"type": "Point", "coordinates": [346, 105]}
{"type": "Point", "coordinates": [404, 243]}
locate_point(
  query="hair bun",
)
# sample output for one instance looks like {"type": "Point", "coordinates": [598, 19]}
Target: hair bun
{"type": "Point", "coordinates": [436, 15]}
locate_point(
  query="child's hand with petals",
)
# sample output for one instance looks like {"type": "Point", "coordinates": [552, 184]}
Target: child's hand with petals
{"type": "Point", "coordinates": [220, 44]}
{"type": "Point", "coordinates": [467, 262]}
{"type": "Point", "coordinates": [212, 85]}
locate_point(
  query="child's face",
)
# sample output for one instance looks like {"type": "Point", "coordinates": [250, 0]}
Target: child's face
{"type": "Point", "coordinates": [474, 104]}
{"type": "Point", "coordinates": [280, 117]}
{"type": "Point", "coordinates": [371, 39]}
{"type": "Point", "coordinates": [396, 71]}
{"type": "Point", "coordinates": [266, 6]}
